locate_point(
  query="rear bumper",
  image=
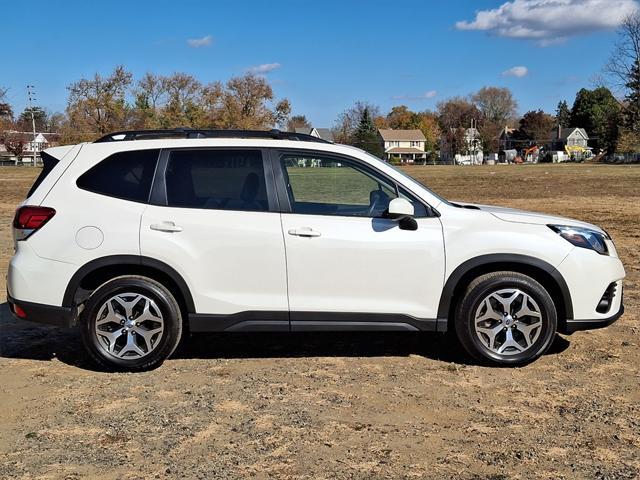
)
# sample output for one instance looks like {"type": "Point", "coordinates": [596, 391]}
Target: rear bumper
{"type": "Point", "coordinates": [37, 312]}
{"type": "Point", "coordinates": [577, 325]}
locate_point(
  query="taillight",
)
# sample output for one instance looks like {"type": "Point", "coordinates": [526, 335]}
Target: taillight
{"type": "Point", "coordinates": [30, 219]}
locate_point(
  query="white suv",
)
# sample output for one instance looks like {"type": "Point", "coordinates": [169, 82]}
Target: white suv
{"type": "Point", "coordinates": [141, 236]}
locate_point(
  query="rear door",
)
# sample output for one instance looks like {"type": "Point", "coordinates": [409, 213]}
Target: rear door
{"type": "Point", "coordinates": [348, 266]}
{"type": "Point", "coordinates": [214, 219]}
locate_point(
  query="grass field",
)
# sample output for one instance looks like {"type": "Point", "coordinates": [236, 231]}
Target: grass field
{"type": "Point", "coordinates": [357, 406]}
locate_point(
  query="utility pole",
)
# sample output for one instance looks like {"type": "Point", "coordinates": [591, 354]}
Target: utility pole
{"type": "Point", "coordinates": [31, 95]}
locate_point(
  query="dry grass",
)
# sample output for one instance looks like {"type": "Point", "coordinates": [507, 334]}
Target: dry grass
{"type": "Point", "coordinates": [336, 405]}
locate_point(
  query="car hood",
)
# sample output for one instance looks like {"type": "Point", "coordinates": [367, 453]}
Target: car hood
{"type": "Point", "coordinates": [523, 216]}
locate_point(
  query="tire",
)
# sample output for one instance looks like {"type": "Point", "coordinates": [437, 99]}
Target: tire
{"type": "Point", "coordinates": [131, 323]}
{"type": "Point", "coordinates": [515, 339]}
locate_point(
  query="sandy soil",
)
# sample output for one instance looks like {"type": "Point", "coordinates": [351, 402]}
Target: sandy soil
{"type": "Point", "coordinates": [357, 406]}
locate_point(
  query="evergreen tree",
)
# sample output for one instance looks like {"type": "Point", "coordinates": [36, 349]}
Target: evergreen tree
{"type": "Point", "coordinates": [366, 134]}
{"type": "Point", "coordinates": [563, 114]}
{"type": "Point", "coordinates": [632, 111]}
{"type": "Point", "coordinates": [598, 112]}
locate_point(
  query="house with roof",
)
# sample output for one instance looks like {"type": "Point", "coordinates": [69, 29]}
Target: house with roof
{"type": "Point", "coordinates": [31, 145]}
{"type": "Point", "coordinates": [573, 140]}
{"type": "Point", "coordinates": [405, 145]}
{"type": "Point", "coordinates": [323, 133]}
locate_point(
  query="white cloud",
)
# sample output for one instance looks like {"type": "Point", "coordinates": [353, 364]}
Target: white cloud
{"type": "Point", "coordinates": [263, 69]}
{"type": "Point", "coordinates": [200, 42]}
{"type": "Point", "coordinates": [548, 22]}
{"type": "Point", "coordinates": [426, 95]}
{"type": "Point", "coordinates": [518, 71]}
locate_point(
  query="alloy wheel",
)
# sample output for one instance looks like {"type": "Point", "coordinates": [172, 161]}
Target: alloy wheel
{"type": "Point", "coordinates": [129, 325]}
{"type": "Point", "coordinates": [508, 321]}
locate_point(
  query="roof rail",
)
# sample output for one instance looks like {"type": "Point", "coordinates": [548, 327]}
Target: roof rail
{"type": "Point", "coordinates": [126, 135]}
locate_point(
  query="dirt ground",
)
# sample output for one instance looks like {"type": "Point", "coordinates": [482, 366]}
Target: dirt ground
{"type": "Point", "coordinates": [356, 406]}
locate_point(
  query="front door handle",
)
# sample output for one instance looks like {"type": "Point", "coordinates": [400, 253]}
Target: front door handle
{"type": "Point", "coordinates": [304, 232]}
{"type": "Point", "coordinates": [165, 227]}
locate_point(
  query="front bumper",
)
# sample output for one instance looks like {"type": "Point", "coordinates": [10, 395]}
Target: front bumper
{"type": "Point", "coordinates": [37, 312]}
{"type": "Point", "coordinates": [578, 325]}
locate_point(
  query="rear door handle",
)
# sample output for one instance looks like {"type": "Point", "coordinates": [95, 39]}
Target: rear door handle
{"type": "Point", "coordinates": [304, 232]}
{"type": "Point", "coordinates": [165, 227]}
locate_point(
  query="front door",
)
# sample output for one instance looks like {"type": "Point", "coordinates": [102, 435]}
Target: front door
{"type": "Point", "coordinates": [217, 224]}
{"type": "Point", "coordinates": [348, 266]}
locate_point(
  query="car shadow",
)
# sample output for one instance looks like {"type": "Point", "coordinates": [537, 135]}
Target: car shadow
{"type": "Point", "coordinates": [20, 339]}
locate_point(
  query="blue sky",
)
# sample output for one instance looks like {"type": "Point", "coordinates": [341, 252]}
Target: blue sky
{"type": "Point", "coordinates": [322, 56]}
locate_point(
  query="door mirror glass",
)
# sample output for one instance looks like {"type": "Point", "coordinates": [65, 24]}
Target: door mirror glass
{"type": "Point", "coordinates": [400, 208]}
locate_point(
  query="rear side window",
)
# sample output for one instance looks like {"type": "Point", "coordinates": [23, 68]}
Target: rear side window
{"type": "Point", "coordinates": [48, 162]}
{"type": "Point", "coordinates": [126, 175]}
{"type": "Point", "coordinates": [217, 179]}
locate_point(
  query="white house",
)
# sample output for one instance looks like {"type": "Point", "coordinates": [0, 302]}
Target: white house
{"type": "Point", "coordinates": [32, 145]}
{"type": "Point", "coordinates": [407, 145]}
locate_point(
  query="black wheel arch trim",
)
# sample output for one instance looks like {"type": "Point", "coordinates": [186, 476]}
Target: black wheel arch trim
{"type": "Point", "coordinates": [499, 260]}
{"type": "Point", "coordinates": [127, 260]}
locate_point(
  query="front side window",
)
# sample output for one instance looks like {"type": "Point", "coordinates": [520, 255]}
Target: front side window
{"type": "Point", "coordinates": [126, 175]}
{"type": "Point", "coordinates": [330, 186]}
{"type": "Point", "coordinates": [217, 179]}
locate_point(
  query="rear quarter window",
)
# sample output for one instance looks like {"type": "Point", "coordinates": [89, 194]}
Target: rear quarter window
{"type": "Point", "coordinates": [127, 175]}
{"type": "Point", "coordinates": [48, 163]}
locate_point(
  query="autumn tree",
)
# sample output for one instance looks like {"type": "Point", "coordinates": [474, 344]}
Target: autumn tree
{"type": "Point", "coordinates": [598, 112]}
{"type": "Point", "coordinates": [537, 126]}
{"type": "Point", "coordinates": [496, 104]}
{"type": "Point", "coordinates": [248, 103]}
{"type": "Point", "coordinates": [97, 105]}
{"type": "Point", "coordinates": [182, 108]}
{"type": "Point", "coordinates": [454, 116]}
{"type": "Point", "coordinates": [401, 118]}
{"type": "Point", "coordinates": [497, 107]}
{"type": "Point", "coordinates": [150, 96]}
{"type": "Point", "coordinates": [14, 143]}
{"type": "Point", "coordinates": [297, 121]}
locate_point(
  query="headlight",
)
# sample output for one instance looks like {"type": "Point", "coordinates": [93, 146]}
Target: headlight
{"type": "Point", "coordinates": [583, 237]}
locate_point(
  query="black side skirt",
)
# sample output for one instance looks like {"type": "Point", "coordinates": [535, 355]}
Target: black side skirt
{"type": "Point", "coordinates": [263, 321]}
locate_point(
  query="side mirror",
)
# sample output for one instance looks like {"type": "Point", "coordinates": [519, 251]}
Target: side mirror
{"type": "Point", "coordinates": [400, 208]}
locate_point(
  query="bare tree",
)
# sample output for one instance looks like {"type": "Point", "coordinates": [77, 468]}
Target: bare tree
{"type": "Point", "coordinates": [151, 91]}
{"type": "Point", "coordinates": [347, 122]}
{"type": "Point", "coordinates": [6, 112]}
{"type": "Point", "coordinates": [248, 102]}
{"type": "Point", "coordinates": [496, 104]}
{"type": "Point", "coordinates": [97, 106]}
{"type": "Point", "coordinates": [455, 115]}
{"type": "Point", "coordinates": [626, 52]}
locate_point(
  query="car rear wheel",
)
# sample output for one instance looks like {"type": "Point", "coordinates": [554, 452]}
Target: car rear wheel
{"type": "Point", "coordinates": [506, 318]}
{"type": "Point", "coordinates": [131, 323]}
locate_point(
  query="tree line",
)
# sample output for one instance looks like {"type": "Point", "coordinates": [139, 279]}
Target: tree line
{"type": "Point", "coordinates": [103, 104]}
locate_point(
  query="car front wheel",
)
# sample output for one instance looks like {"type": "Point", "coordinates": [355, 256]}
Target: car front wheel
{"type": "Point", "coordinates": [506, 318]}
{"type": "Point", "coordinates": [131, 323]}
